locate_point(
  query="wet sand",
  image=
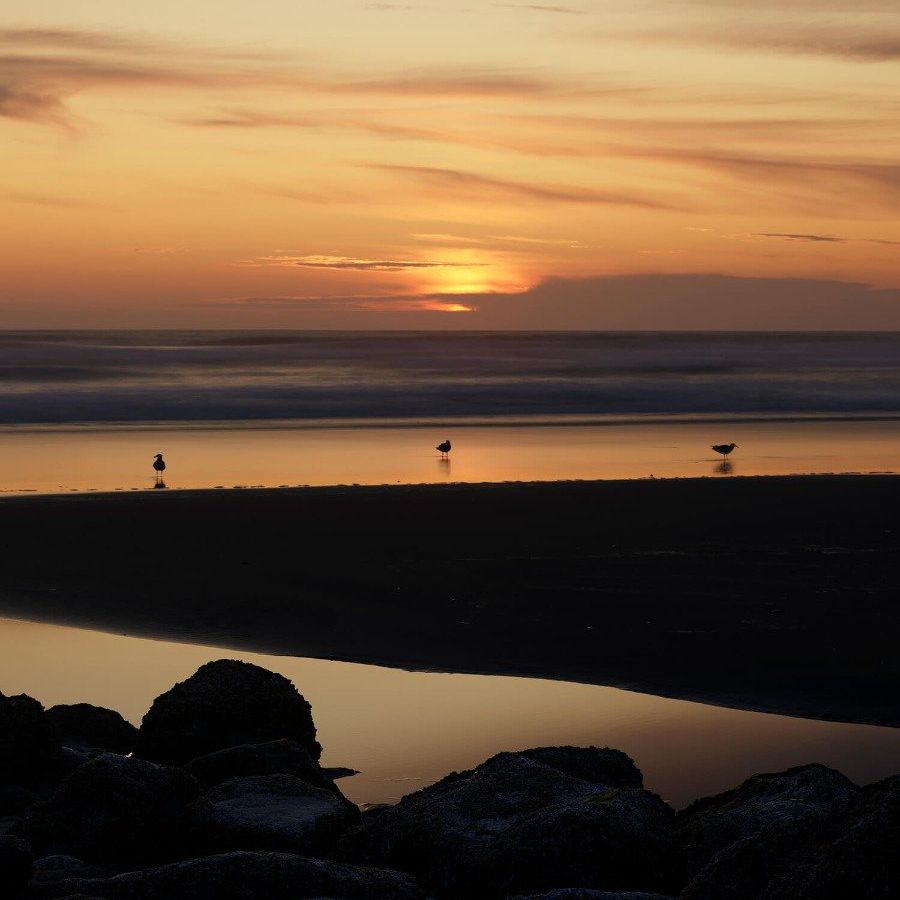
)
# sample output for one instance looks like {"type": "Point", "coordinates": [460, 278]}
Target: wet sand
{"type": "Point", "coordinates": [777, 594]}
{"type": "Point", "coordinates": [86, 457]}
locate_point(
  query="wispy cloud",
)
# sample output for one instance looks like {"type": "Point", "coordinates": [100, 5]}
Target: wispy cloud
{"type": "Point", "coordinates": [50, 200]}
{"type": "Point", "coordinates": [457, 181]}
{"type": "Point", "coordinates": [487, 136]}
{"type": "Point", "coordinates": [70, 38]}
{"type": "Point", "coordinates": [31, 104]}
{"type": "Point", "coordinates": [828, 184]}
{"type": "Point", "coordinates": [492, 240]}
{"type": "Point", "coordinates": [357, 303]}
{"type": "Point", "coordinates": [844, 41]}
{"type": "Point", "coordinates": [41, 69]}
{"type": "Point", "coordinates": [823, 238]}
{"type": "Point", "coordinates": [36, 87]}
{"type": "Point", "coordinates": [424, 83]}
{"type": "Point", "coordinates": [286, 192]}
{"type": "Point", "coordinates": [347, 263]}
{"type": "Point", "coordinates": [323, 120]}
{"type": "Point", "coordinates": [533, 7]}
{"type": "Point", "coordinates": [808, 238]}
{"type": "Point", "coordinates": [542, 7]}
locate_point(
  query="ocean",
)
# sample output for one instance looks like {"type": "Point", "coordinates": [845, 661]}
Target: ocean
{"type": "Point", "coordinates": [142, 376]}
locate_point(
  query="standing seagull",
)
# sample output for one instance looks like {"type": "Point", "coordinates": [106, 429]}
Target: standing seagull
{"type": "Point", "coordinates": [724, 449]}
{"type": "Point", "coordinates": [160, 465]}
{"type": "Point", "coordinates": [445, 449]}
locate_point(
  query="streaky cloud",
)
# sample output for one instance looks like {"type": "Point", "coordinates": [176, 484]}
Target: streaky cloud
{"type": "Point", "coordinates": [824, 238]}
{"type": "Point", "coordinates": [457, 180]}
{"type": "Point", "coordinates": [807, 238]}
{"type": "Point", "coordinates": [542, 7]}
{"type": "Point", "coordinates": [362, 303]}
{"type": "Point", "coordinates": [50, 200]}
{"type": "Point", "coordinates": [466, 84]}
{"type": "Point", "coordinates": [786, 37]}
{"type": "Point", "coordinates": [828, 179]}
{"type": "Point", "coordinates": [68, 38]}
{"type": "Point", "coordinates": [347, 263]}
{"type": "Point", "coordinates": [30, 104]}
{"type": "Point", "coordinates": [41, 69]}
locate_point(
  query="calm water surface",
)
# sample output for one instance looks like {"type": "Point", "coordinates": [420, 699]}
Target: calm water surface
{"type": "Point", "coordinates": [404, 730]}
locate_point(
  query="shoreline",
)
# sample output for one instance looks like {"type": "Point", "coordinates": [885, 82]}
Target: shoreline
{"type": "Point", "coordinates": [524, 420]}
{"type": "Point", "coordinates": [523, 580]}
{"type": "Point", "coordinates": [261, 490]}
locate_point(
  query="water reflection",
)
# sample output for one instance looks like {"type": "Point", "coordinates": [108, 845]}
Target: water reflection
{"type": "Point", "coordinates": [104, 458]}
{"type": "Point", "coordinates": [726, 467]}
{"type": "Point", "coordinates": [404, 730]}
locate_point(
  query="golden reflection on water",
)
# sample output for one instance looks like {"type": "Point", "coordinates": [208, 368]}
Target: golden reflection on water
{"type": "Point", "coordinates": [106, 458]}
{"type": "Point", "coordinates": [404, 730]}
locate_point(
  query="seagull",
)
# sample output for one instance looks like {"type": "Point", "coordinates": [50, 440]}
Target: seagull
{"type": "Point", "coordinates": [724, 449]}
{"type": "Point", "coordinates": [445, 449]}
{"type": "Point", "coordinates": [160, 465]}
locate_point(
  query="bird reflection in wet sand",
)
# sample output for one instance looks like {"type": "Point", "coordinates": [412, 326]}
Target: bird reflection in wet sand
{"type": "Point", "coordinates": [726, 467]}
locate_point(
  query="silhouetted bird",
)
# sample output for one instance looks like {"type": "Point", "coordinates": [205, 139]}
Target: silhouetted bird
{"type": "Point", "coordinates": [445, 448]}
{"type": "Point", "coordinates": [160, 465]}
{"type": "Point", "coordinates": [724, 449]}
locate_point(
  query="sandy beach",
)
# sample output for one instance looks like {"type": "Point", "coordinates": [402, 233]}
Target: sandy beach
{"type": "Point", "coordinates": [775, 594]}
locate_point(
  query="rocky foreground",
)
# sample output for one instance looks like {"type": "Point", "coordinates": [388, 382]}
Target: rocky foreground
{"type": "Point", "coordinates": [220, 794]}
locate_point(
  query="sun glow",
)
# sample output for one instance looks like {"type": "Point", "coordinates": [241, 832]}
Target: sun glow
{"type": "Point", "coordinates": [489, 277]}
{"type": "Point", "coordinates": [450, 307]}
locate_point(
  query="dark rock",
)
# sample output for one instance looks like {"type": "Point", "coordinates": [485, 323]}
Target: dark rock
{"type": "Point", "coordinates": [245, 876]}
{"type": "Point", "coordinates": [60, 867]}
{"type": "Point", "coordinates": [73, 758]}
{"type": "Point", "coordinates": [80, 897]}
{"type": "Point", "coordinates": [58, 863]}
{"type": "Point", "coordinates": [272, 758]}
{"type": "Point", "coordinates": [831, 855]}
{"type": "Point", "coordinates": [225, 704]}
{"type": "Point", "coordinates": [83, 725]}
{"type": "Point", "coordinates": [15, 800]}
{"type": "Point", "coordinates": [114, 809]}
{"type": "Point", "coordinates": [372, 811]}
{"type": "Point", "coordinates": [601, 765]}
{"type": "Point", "coordinates": [713, 823]}
{"type": "Point", "coordinates": [862, 858]}
{"type": "Point", "coordinates": [619, 839]}
{"type": "Point", "coordinates": [336, 772]}
{"type": "Point", "coordinates": [30, 754]}
{"type": "Point", "coordinates": [272, 812]}
{"type": "Point", "coordinates": [15, 865]}
{"type": "Point", "coordinates": [585, 894]}
{"type": "Point", "coordinates": [517, 824]}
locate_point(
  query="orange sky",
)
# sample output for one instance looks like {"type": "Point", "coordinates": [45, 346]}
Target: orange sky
{"type": "Point", "coordinates": [363, 164]}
